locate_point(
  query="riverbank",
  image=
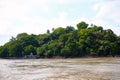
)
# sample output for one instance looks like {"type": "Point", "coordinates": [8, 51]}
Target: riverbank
{"type": "Point", "coordinates": [58, 57]}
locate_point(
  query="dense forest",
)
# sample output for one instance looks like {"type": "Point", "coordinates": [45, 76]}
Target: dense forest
{"type": "Point", "coordinates": [86, 40]}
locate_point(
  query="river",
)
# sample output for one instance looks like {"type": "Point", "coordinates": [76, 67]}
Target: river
{"type": "Point", "coordinates": [60, 69]}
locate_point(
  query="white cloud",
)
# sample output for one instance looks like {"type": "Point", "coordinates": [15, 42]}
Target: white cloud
{"type": "Point", "coordinates": [102, 8]}
{"type": "Point", "coordinates": [63, 15]}
{"type": "Point", "coordinates": [107, 10]}
{"type": "Point", "coordinates": [65, 1]}
{"type": "Point", "coordinates": [24, 12]}
{"type": "Point", "coordinates": [38, 24]}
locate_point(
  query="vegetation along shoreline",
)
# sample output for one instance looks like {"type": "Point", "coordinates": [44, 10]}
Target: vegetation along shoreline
{"type": "Point", "coordinates": [85, 41]}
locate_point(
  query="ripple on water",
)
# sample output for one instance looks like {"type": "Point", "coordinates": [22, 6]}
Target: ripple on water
{"type": "Point", "coordinates": [60, 69]}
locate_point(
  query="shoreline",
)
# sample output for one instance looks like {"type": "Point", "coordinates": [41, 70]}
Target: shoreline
{"type": "Point", "coordinates": [15, 58]}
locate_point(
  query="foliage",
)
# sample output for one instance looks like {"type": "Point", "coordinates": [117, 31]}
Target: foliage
{"type": "Point", "coordinates": [65, 42]}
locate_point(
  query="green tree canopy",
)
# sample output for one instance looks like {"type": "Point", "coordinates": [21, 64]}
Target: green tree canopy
{"type": "Point", "coordinates": [82, 25]}
{"type": "Point", "coordinates": [65, 42]}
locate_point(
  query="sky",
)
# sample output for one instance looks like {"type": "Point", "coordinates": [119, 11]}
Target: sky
{"type": "Point", "coordinates": [37, 16]}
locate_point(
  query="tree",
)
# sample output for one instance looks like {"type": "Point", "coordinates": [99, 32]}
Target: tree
{"type": "Point", "coordinates": [21, 35]}
{"type": "Point", "coordinates": [82, 25]}
{"type": "Point", "coordinates": [65, 42]}
{"type": "Point", "coordinates": [3, 51]}
{"type": "Point", "coordinates": [81, 47]}
{"type": "Point", "coordinates": [15, 49]}
{"type": "Point", "coordinates": [114, 50]}
{"type": "Point", "coordinates": [43, 38]}
{"type": "Point", "coordinates": [109, 35]}
{"type": "Point", "coordinates": [29, 49]}
{"type": "Point", "coordinates": [59, 31]}
{"type": "Point", "coordinates": [12, 39]}
{"type": "Point", "coordinates": [41, 51]}
{"type": "Point", "coordinates": [26, 40]}
{"type": "Point", "coordinates": [48, 31]}
{"type": "Point", "coordinates": [69, 29]}
{"type": "Point", "coordinates": [66, 52]}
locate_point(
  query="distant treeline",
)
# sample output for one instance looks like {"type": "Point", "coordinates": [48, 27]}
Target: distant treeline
{"type": "Point", "coordinates": [65, 42]}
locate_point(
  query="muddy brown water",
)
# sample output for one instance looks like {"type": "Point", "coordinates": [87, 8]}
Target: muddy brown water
{"type": "Point", "coordinates": [60, 69]}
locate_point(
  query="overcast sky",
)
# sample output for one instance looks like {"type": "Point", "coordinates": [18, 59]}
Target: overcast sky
{"type": "Point", "coordinates": [36, 16]}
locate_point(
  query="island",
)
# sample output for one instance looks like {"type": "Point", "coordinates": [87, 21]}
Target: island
{"type": "Point", "coordinates": [86, 40]}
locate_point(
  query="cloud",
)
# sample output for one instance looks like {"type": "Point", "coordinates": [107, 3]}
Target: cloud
{"type": "Point", "coordinates": [109, 9]}
{"type": "Point", "coordinates": [36, 16]}
{"type": "Point", "coordinates": [107, 15]}
{"type": "Point", "coordinates": [65, 1]}
{"type": "Point", "coordinates": [63, 15]}
{"type": "Point", "coordinates": [25, 11]}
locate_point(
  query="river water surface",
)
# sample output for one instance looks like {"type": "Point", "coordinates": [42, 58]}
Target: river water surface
{"type": "Point", "coordinates": [60, 69]}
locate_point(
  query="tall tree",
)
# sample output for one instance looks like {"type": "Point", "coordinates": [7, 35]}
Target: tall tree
{"type": "Point", "coordinates": [82, 25]}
